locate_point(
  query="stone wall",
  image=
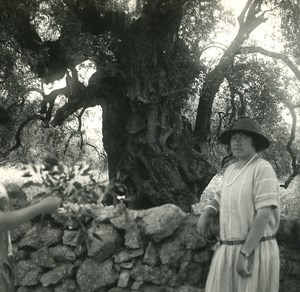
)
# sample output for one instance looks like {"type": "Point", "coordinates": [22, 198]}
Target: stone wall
{"type": "Point", "coordinates": [148, 250]}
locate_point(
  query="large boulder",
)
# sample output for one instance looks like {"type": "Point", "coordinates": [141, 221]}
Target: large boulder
{"type": "Point", "coordinates": [161, 222]}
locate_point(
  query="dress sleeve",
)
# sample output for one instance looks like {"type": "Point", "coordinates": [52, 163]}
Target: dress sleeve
{"type": "Point", "coordinates": [218, 194]}
{"type": "Point", "coordinates": [3, 192]}
{"type": "Point", "coordinates": [266, 187]}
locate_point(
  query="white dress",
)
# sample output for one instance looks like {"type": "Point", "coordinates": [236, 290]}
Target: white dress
{"type": "Point", "coordinates": [256, 187]}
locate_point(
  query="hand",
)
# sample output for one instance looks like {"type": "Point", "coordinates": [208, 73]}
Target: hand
{"type": "Point", "coordinates": [203, 225]}
{"type": "Point", "coordinates": [243, 265]}
{"type": "Point", "coordinates": [50, 204]}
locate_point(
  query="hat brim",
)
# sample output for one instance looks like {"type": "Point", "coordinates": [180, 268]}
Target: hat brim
{"type": "Point", "coordinates": [262, 141]}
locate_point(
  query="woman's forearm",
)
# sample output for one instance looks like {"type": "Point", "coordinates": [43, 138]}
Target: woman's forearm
{"type": "Point", "coordinates": [13, 219]}
{"type": "Point", "coordinates": [212, 208]}
{"type": "Point", "coordinates": [257, 229]}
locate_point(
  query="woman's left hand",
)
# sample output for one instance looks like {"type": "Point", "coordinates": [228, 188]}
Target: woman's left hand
{"type": "Point", "coordinates": [243, 266]}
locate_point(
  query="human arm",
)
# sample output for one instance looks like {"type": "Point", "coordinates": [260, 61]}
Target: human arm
{"type": "Point", "coordinates": [266, 200]}
{"type": "Point", "coordinates": [13, 219]}
{"type": "Point", "coordinates": [255, 234]}
{"type": "Point", "coordinates": [209, 211]}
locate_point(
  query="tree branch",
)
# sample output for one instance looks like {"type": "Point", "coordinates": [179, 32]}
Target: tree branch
{"type": "Point", "coordinates": [215, 77]}
{"type": "Point", "coordinates": [290, 106]}
{"type": "Point", "coordinates": [278, 56]}
{"type": "Point", "coordinates": [20, 129]}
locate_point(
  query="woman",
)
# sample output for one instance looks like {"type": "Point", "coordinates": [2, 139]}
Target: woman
{"type": "Point", "coordinates": [246, 257]}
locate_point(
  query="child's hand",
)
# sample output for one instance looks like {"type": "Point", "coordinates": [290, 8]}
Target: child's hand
{"type": "Point", "coordinates": [50, 204]}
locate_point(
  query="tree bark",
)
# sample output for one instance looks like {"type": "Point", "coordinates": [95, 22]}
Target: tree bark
{"type": "Point", "coordinates": [141, 93]}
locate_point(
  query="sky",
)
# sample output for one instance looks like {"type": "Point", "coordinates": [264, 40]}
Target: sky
{"type": "Point", "coordinates": [235, 5]}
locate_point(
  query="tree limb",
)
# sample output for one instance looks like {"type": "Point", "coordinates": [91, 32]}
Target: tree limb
{"type": "Point", "coordinates": [215, 77]}
{"type": "Point", "coordinates": [20, 129]}
{"type": "Point", "coordinates": [290, 106]}
{"type": "Point", "coordinates": [279, 56]}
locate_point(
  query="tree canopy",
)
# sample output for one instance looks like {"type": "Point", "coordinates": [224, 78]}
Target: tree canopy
{"type": "Point", "coordinates": [166, 87]}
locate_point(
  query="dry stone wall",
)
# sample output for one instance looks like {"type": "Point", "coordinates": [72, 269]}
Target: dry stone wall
{"type": "Point", "coordinates": [147, 250]}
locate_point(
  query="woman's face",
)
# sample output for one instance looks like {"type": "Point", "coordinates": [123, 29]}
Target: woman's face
{"type": "Point", "coordinates": [241, 146]}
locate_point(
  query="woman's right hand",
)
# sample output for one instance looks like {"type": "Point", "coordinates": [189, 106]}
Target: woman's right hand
{"type": "Point", "coordinates": [203, 224]}
{"type": "Point", "coordinates": [50, 204]}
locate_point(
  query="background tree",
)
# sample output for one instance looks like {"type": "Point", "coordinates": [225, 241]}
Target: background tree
{"type": "Point", "coordinates": [149, 63]}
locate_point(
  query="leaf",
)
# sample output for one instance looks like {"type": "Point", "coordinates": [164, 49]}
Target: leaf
{"type": "Point", "coordinates": [51, 160]}
{"type": "Point", "coordinates": [48, 179]}
{"type": "Point", "coordinates": [30, 183]}
{"type": "Point", "coordinates": [27, 174]}
{"type": "Point", "coordinates": [77, 185]}
{"type": "Point", "coordinates": [71, 175]}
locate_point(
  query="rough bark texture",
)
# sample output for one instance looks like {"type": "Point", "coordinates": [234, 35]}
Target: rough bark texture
{"type": "Point", "coordinates": [141, 91]}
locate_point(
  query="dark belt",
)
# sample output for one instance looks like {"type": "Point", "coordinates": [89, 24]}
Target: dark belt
{"type": "Point", "coordinates": [238, 242]}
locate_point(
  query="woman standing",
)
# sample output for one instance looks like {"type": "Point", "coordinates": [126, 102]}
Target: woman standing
{"type": "Point", "coordinates": [246, 258]}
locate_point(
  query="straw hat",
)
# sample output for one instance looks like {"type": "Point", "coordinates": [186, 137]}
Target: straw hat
{"type": "Point", "coordinates": [249, 126]}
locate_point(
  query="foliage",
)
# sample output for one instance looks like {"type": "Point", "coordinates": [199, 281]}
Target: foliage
{"type": "Point", "coordinates": [290, 23]}
{"type": "Point", "coordinates": [65, 181]}
{"type": "Point", "coordinates": [77, 186]}
{"type": "Point", "coordinates": [153, 57]}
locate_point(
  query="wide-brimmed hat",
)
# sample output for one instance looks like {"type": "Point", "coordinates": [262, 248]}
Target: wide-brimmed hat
{"type": "Point", "coordinates": [249, 126]}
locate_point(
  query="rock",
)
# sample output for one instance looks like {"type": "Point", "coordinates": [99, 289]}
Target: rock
{"type": "Point", "coordinates": [126, 265]}
{"type": "Point", "coordinates": [71, 238]}
{"type": "Point", "coordinates": [17, 234]}
{"type": "Point", "coordinates": [120, 222]}
{"type": "Point", "coordinates": [104, 213]}
{"type": "Point", "coordinates": [137, 284]}
{"type": "Point", "coordinates": [161, 222]}
{"type": "Point", "coordinates": [152, 288]}
{"type": "Point", "coordinates": [17, 197]}
{"type": "Point", "coordinates": [124, 256]}
{"type": "Point", "coordinates": [93, 275]}
{"type": "Point", "coordinates": [133, 236]}
{"type": "Point", "coordinates": [104, 240]}
{"type": "Point", "coordinates": [57, 275]}
{"type": "Point", "coordinates": [191, 274]}
{"type": "Point", "coordinates": [21, 254]}
{"type": "Point", "coordinates": [50, 236]}
{"type": "Point", "coordinates": [184, 289]}
{"type": "Point", "coordinates": [123, 279]}
{"type": "Point", "coordinates": [196, 209]}
{"type": "Point", "coordinates": [31, 239]}
{"type": "Point", "coordinates": [171, 253]}
{"type": "Point", "coordinates": [289, 232]}
{"type": "Point", "coordinates": [203, 257]}
{"type": "Point", "coordinates": [43, 259]}
{"type": "Point", "coordinates": [69, 285]}
{"type": "Point", "coordinates": [27, 273]}
{"type": "Point", "coordinates": [62, 253]}
{"type": "Point", "coordinates": [151, 255]}
{"type": "Point", "coordinates": [117, 289]}
{"type": "Point", "coordinates": [188, 235]}
{"type": "Point", "coordinates": [41, 289]}
{"type": "Point", "coordinates": [159, 275]}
